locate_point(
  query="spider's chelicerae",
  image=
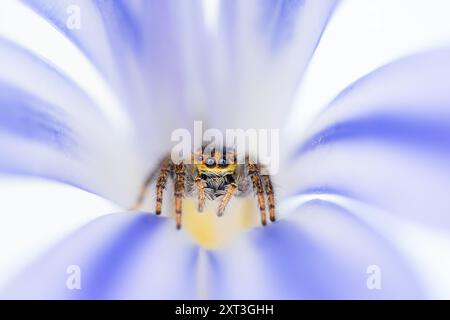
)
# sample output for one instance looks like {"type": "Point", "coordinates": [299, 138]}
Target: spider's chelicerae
{"type": "Point", "coordinates": [210, 176]}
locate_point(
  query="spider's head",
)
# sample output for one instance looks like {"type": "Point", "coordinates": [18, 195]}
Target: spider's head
{"type": "Point", "coordinates": [217, 163]}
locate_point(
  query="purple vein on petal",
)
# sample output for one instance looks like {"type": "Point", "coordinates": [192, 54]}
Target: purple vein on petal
{"type": "Point", "coordinates": [283, 13]}
{"type": "Point", "coordinates": [55, 12]}
{"type": "Point", "coordinates": [311, 269]}
{"type": "Point", "coordinates": [118, 258]}
{"type": "Point", "coordinates": [40, 69]}
{"type": "Point", "coordinates": [30, 118]}
{"type": "Point", "coordinates": [107, 263]}
{"type": "Point", "coordinates": [118, 19]}
{"type": "Point", "coordinates": [403, 102]}
{"type": "Point", "coordinates": [427, 135]}
{"type": "Point", "coordinates": [423, 248]}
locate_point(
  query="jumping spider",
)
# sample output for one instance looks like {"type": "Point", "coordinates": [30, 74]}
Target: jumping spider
{"type": "Point", "coordinates": [211, 175]}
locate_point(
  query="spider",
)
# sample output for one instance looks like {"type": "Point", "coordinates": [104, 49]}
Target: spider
{"type": "Point", "coordinates": [211, 176]}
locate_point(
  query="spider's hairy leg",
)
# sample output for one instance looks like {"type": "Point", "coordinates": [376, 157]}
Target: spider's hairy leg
{"type": "Point", "coordinates": [180, 172]}
{"type": "Point", "coordinates": [165, 167]}
{"type": "Point", "coordinates": [270, 196]}
{"type": "Point", "coordinates": [253, 171]}
{"type": "Point", "coordinates": [226, 198]}
{"type": "Point", "coordinates": [151, 177]}
{"type": "Point", "coordinates": [201, 194]}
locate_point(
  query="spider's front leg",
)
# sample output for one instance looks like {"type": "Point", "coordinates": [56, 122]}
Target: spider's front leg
{"type": "Point", "coordinates": [165, 167]}
{"type": "Point", "coordinates": [197, 158]}
{"type": "Point", "coordinates": [180, 172]}
{"type": "Point", "coordinates": [253, 171]}
{"type": "Point", "coordinates": [201, 194]}
{"type": "Point", "coordinates": [226, 198]}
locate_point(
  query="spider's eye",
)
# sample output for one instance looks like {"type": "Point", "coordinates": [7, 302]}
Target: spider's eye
{"type": "Point", "coordinates": [222, 163]}
{"type": "Point", "coordinates": [210, 162]}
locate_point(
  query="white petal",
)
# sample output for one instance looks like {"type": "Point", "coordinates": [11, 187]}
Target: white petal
{"type": "Point", "coordinates": [118, 256]}
{"type": "Point", "coordinates": [361, 37]}
{"type": "Point", "coordinates": [36, 214]}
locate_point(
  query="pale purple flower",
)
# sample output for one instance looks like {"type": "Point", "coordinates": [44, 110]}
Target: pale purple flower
{"type": "Point", "coordinates": [360, 90]}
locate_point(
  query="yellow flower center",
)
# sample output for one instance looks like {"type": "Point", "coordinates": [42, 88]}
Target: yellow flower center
{"type": "Point", "coordinates": [211, 231]}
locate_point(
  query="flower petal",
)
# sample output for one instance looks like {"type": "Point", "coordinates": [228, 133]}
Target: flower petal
{"type": "Point", "coordinates": [142, 58]}
{"type": "Point", "coordinates": [384, 140]}
{"type": "Point", "coordinates": [360, 38]}
{"type": "Point", "coordinates": [46, 42]}
{"type": "Point", "coordinates": [259, 54]}
{"type": "Point", "coordinates": [103, 27]}
{"type": "Point", "coordinates": [55, 124]}
{"type": "Point", "coordinates": [321, 252]}
{"type": "Point", "coordinates": [36, 214]}
{"type": "Point", "coordinates": [119, 256]}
